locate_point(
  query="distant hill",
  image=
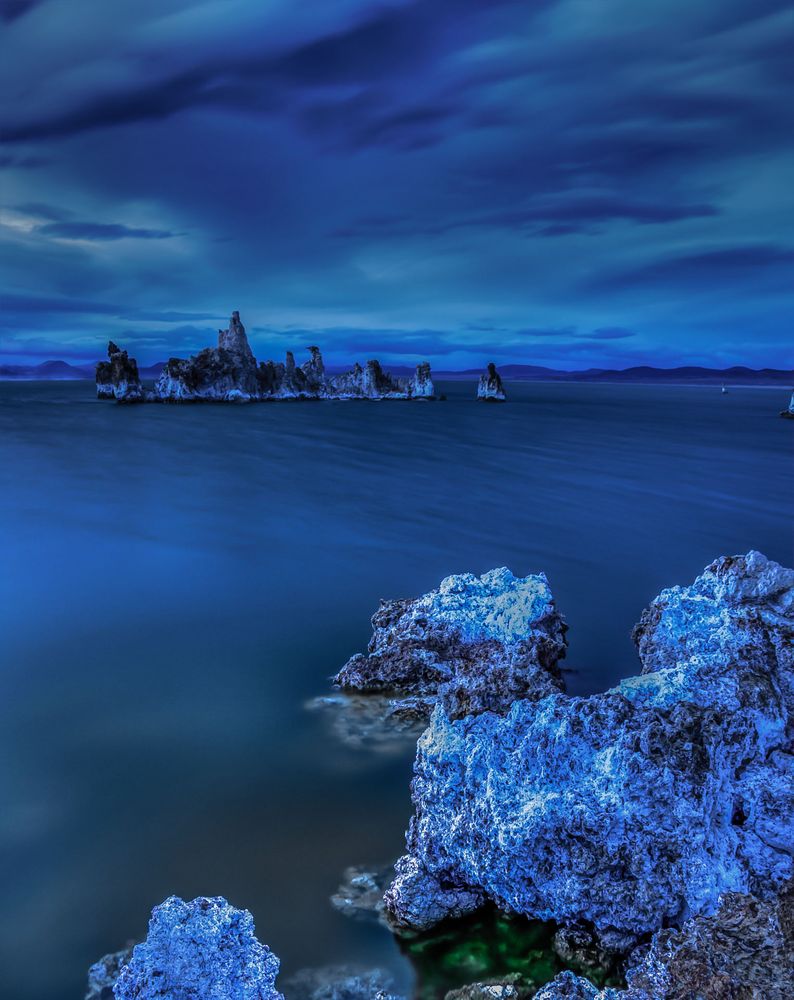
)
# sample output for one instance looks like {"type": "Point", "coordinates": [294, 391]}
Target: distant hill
{"type": "Point", "coordinates": [64, 372]}
{"type": "Point", "coordinates": [690, 374]}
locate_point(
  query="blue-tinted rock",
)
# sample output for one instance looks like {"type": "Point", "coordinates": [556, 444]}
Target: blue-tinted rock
{"type": "Point", "coordinates": [631, 809]}
{"type": "Point", "coordinates": [199, 950]}
{"type": "Point", "coordinates": [490, 388]}
{"type": "Point", "coordinates": [117, 378]}
{"type": "Point", "coordinates": [103, 974]}
{"type": "Point", "coordinates": [475, 643]}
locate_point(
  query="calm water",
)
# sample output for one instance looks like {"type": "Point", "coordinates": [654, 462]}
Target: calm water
{"type": "Point", "coordinates": [177, 582]}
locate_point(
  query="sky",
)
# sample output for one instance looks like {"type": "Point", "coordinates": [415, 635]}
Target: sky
{"type": "Point", "coordinates": [574, 183]}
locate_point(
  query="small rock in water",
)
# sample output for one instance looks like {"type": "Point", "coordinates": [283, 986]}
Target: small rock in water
{"type": "Point", "coordinates": [490, 387]}
{"type": "Point", "coordinates": [476, 643]}
{"type": "Point", "coordinates": [205, 949]}
{"type": "Point", "coordinates": [789, 411]}
{"type": "Point", "coordinates": [117, 378]}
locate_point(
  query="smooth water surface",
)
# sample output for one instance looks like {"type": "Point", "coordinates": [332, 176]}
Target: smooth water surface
{"type": "Point", "coordinates": [178, 581]}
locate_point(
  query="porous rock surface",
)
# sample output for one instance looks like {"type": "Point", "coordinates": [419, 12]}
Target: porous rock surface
{"type": "Point", "coordinates": [203, 949]}
{"type": "Point", "coordinates": [490, 386]}
{"type": "Point", "coordinates": [117, 378]}
{"type": "Point", "coordinates": [629, 810]}
{"type": "Point", "coordinates": [475, 643]}
{"type": "Point", "coordinates": [230, 373]}
{"type": "Point", "coordinates": [742, 952]}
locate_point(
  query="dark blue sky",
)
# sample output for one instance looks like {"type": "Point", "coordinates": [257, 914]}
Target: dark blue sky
{"type": "Point", "coordinates": [566, 182]}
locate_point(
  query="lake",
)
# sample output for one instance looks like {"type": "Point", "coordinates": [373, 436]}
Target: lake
{"type": "Point", "coordinates": [179, 581]}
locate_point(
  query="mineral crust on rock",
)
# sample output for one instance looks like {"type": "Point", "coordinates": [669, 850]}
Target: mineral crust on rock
{"type": "Point", "coordinates": [490, 387]}
{"type": "Point", "coordinates": [629, 810]}
{"type": "Point", "coordinates": [230, 373]}
{"type": "Point", "coordinates": [117, 378]}
{"type": "Point", "coordinates": [742, 952]}
{"type": "Point", "coordinates": [340, 983]}
{"type": "Point", "coordinates": [476, 643]}
{"type": "Point", "coordinates": [204, 949]}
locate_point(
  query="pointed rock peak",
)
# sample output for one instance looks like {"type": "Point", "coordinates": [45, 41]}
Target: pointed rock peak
{"type": "Point", "coordinates": [113, 349]}
{"type": "Point", "coordinates": [234, 339]}
{"type": "Point", "coordinates": [290, 362]}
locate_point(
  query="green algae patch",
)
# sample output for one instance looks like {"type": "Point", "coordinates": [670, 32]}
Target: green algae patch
{"type": "Point", "coordinates": [490, 946]}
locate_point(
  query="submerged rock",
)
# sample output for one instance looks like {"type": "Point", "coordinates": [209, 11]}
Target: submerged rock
{"type": "Point", "coordinates": [490, 387]}
{"type": "Point", "coordinates": [117, 378]}
{"type": "Point", "coordinates": [789, 411]}
{"type": "Point", "coordinates": [475, 643]}
{"type": "Point", "coordinates": [229, 373]}
{"type": "Point", "coordinates": [340, 982]}
{"type": "Point", "coordinates": [103, 974]}
{"type": "Point", "coordinates": [205, 949]}
{"type": "Point", "coordinates": [374, 722]}
{"type": "Point", "coordinates": [360, 894]}
{"type": "Point", "coordinates": [743, 951]}
{"type": "Point", "coordinates": [631, 809]}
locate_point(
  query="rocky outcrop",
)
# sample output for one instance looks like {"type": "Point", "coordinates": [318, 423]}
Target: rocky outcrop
{"type": "Point", "coordinates": [744, 950]}
{"type": "Point", "coordinates": [476, 644]}
{"type": "Point", "coordinates": [490, 387]}
{"type": "Point", "coordinates": [229, 373]}
{"type": "Point", "coordinates": [205, 948]}
{"type": "Point", "coordinates": [103, 974]}
{"type": "Point", "coordinates": [789, 412]}
{"type": "Point", "coordinates": [629, 810]}
{"type": "Point", "coordinates": [371, 382]}
{"type": "Point", "coordinates": [117, 378]}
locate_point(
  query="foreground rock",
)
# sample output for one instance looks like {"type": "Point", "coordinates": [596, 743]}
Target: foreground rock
{"type": "Point", "coordinates": [789, 412]}
{"type": "Point", "coordinates": [476, 644]}
{"type": "Point", "coordinates": [230, 373]}
{"type": "Point", "coordinates": [490, 387]}
{"type": "Point", "coordinates": [743, 952]}
{"type": "Point", "coordinates": [204, 949]}
{"type": "Point", "coordinates": [117, 378]}
{"type": "Point", "coordinates": [629, 810]}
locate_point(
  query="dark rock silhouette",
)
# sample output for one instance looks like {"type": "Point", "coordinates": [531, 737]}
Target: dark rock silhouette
{"type": "Point", "coordinates": [490, 388]}
{"type": "Point", "coordinates": [229, 373]}
{"type": "Point", "coordinates": [117, 378]}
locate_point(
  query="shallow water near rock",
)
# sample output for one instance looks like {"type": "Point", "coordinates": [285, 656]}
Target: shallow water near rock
{"type": "Point", "coordinates": [179, 581]}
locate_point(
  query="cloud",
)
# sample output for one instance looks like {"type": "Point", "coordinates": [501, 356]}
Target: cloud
{"type": "Point", "coordinates": [609, 333]}
{"type": "Point", "coordinates": [101, 231]}
{"type": "Point", "coordinates": [711, 268]}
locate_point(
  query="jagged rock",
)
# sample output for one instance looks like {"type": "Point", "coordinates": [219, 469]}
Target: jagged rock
{"type": "Point", "coordinates": [490, 387]}
{"type": "Point", "coordinates": [476, 643]}
{"type": "Point", "coordinates": [743, 952]}
{"type": "Point", "coordinates": [740, 606]}
{"type": "Point", "coordinates": [205, 949]}
{"type": "Point", "coordinates": [421, 385]}
{"type": "Point", "coordinates": [117, 378]}
{"type": "Point", "coordinates": [103, 974]}
{"type": "Point", "coordinates": [360, 894]}
{"type": "Point", "coordinates": [340, 982]}
{"type": "Point", "coordinates": [631, 809]}
{"type": "Point", "coordinates": [789, 412]}
{"type": "Point", "coordinates": [229, 373]}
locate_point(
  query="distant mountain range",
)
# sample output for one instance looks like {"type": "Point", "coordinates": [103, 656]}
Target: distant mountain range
{"type": "Point", "coordinates": [738, 375]}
